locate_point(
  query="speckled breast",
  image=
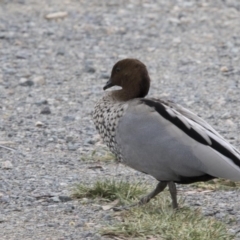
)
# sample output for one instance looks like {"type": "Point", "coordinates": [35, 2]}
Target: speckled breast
{"type": "Point", "coordinates": [106, 116]}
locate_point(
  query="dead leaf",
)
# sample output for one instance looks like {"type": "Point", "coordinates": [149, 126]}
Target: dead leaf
{"type": "Point", "coordinates": [206, 191]}
{"type": "Point", "coordinates": [110, 205]}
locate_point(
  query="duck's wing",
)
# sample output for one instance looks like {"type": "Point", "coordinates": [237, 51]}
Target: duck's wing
{"type": "Point", "coordinates": [179, 110]}
{"type": "Point", "coordinates": [171, 139]}
{"type": "Point", "coordinates": [197, 123]}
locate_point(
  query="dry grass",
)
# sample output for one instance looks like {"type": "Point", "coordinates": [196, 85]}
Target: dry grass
{"type": "Point", "coordinates": [96, 155]}
{"type": "Point", "coordinates": [217, 184]}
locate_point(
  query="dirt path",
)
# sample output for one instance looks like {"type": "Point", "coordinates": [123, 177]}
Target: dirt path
{"type": "Point", "coordinates": [52, 72]}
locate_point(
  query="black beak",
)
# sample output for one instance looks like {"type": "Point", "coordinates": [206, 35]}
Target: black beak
{"type": "Point", "coordinates": [108, 84]}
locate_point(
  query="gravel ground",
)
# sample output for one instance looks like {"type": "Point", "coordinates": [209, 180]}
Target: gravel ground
{"type": "Point", "coordinates": [51, 73]}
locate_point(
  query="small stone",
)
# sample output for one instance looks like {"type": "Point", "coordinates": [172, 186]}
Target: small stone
{"type": "Point", "coordinates": [51, 225]}
{"type": "Point", "coordinates": [224, 69]}
{"type": "Point", "coordinates": [56, 15]}
{"type": "Point", "coordinates": [39, 124]}
{"type": "Point", "coordinates": [4, 199]}
{"type": "Point", "coordinates": [69, 209]}
{"type": "Point", "coordinates": [42, 102]}
{"type": "Point", "coordinates": [69, 139]}
{"type": "Point", "coordinates": [46, 110]}
{"type": "Point", "coordinates": [61, 52]}
{"type": "Point", "coordinates": [229, 122]}
{"type": "Point", "coordinates": [90, 69]}
{"type": "Point", "coordinates": [105, 76]}
{"type": "Point", "coordinates": [65, 198]}
{"type": "Point", "coordinates": [55, 199]}
{"type": "Point", "coordinates": [40, 80]}
{"type": "Point", "coordinates": [7, 165]}
{"type": "Point", "coordinates": [72, 147]}
{"type": "Point", "coordinates": [68, 118]}
{"type": "Point", "coordinates": [87, 234]}
{"type": "Point", "coordinates": [2, 219]}
{"type": "Point", "coordinates": [25, 82]}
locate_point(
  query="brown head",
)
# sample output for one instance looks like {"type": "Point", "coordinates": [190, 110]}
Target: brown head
{"type": "Point", "coordinates": [132, 76]}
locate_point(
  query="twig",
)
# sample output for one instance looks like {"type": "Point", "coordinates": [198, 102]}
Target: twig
{"type": "Point", "coordinates": [8, 148]}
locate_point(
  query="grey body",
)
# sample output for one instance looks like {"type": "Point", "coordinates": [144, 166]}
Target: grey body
{"type": "Point", "coordinates": [153, 145]}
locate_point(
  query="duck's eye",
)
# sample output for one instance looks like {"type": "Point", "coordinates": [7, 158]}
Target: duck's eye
{"type": "Point", "coordinates": [118, 69]}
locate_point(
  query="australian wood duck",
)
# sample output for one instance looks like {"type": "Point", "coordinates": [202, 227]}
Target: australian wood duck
{"type": "Point", "coordinates": [159, 137]}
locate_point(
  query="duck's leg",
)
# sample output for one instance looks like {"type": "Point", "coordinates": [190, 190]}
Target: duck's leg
{"type": "Point", "coordinates": [173, 192]}
{"type": "Point", "coordinates": [160, 187]}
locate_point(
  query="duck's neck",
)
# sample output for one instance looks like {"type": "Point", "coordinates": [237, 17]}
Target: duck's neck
{"type": "Point", "coordinates": [123, 96]}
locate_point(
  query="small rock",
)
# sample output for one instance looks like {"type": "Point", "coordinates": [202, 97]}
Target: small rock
{"type": "Point", "coordinates": [42, 102]}
{"type": "Point", "coordinates": [39, 124]}
{"type": "Point", "coordinates": [87, 234]}
{"type": "Point", "coordinates": [55, 199]}
{"type": "Point", "coordinates": [61, 52]}
{"type": "Point", "coordinates": [25, 82]}
{"type": "Point", "coordinates": [229, 122]}
{"type": "Point", "coordinates": [72, 147]}
{"type": "Point", "coordinates": [69, 139]}
{"type": "Point", "coordinates": [65, 198]}
{"type": "Point", "coordinates": [7, 165]}
{"type": "Point", "coordinates": [56, 15]}
{"type": "Point", "coordinates": [69, 209]}
{"type": "Point", "coordinates": [224, 69]}
{"type": "Point", "coordinates": [90, 69]}
{"type": "Point", "coordinates": [46, 110]}
{"type": "Point", "coordinates": [40, 80]}
{"type": "Point", "coordinates": [105, 76]}
{"type": "Point", "coordinates": [68, 118]}
{"type": "Point", "coordinates": [21, 56]}
{"type": "Point", "coordinates": [51, 225]}
{"type": "Point", "coordinates": [4, 199]}
{"type": "Point", "coordinates": [2, 219]}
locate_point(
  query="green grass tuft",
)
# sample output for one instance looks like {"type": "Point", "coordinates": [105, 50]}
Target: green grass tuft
{"type": "Point", "coordinates": [110, 190]}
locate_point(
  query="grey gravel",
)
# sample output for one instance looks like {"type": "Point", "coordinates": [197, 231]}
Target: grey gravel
{"type": "Point", "coordinates": [192, 51]}
{"type": "Point", "coordinates": [46, 110]}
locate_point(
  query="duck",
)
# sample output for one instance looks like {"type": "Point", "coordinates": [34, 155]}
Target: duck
{"type": "Point", "coordinates": [159, 137]}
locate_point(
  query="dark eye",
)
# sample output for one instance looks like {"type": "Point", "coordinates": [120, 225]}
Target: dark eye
{"type": "Point", "coordinates": [118, 69]}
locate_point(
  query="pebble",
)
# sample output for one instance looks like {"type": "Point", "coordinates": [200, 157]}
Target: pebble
{"type": "Point", "coordinates": [46, 110]}
{"type": "Point", "coordinates": [2, 219]}
{"type": "Point", "coordinates": [7, 165]}
{"type": "Point", "coordinates": [69, 139]}
{"type": "Point", "coordinates": [72, 146]}
{"type": "Point", "coordinates": [224, 69]}
{"type": "Point", "coordinates": [90, 69]}
{"type": "Point", "coordinates": [39, 124]}
{"type": "Point", "coordinates": [65, 198]}
{"type": "Point", "coordinates": [25, 82]}
{"type": "Point", "coordinates": [105, 76]}
{"type": "Point", "coordinates": [42, 102]}
{"type": "Point", "coordinates": [68, 118]}
{"type": "Point", "coordinates": [69, 209]}
{"type": "Point", "coordinates": [55, 199]}
{"type": "Point", "coordinates": [56, 15]}
{"type": "Point", "coordinates": [39, 80]}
